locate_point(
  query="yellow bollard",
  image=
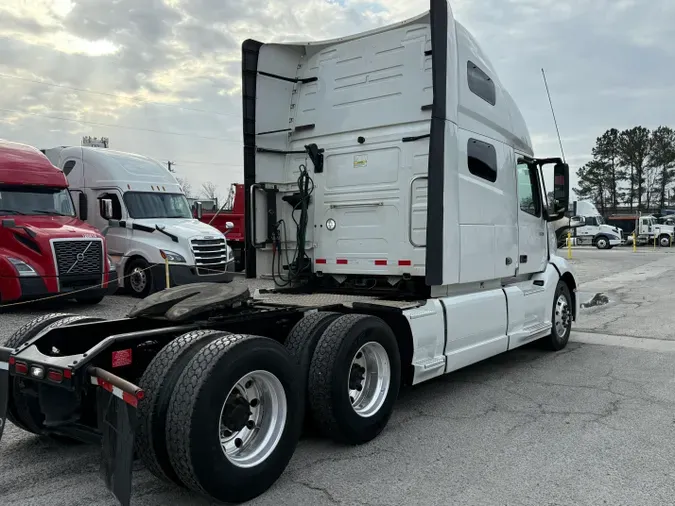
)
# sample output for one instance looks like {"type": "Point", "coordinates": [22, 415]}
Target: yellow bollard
{"type": "Point", "coordinates": [569, 245]}
{"type": "Point", "coordinates": [634, 243]}
{"type": "Point", "coordinates": [654, 241]}
{"type": "Point", "coordinates": [166, 270]}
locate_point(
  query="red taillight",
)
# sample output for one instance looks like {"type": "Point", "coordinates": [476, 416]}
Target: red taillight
{"type": "Point", "coordinates": [67, 374]}
{"type": "Point", "coordinates": [320, 260]}
{"type": "Point", "coordinates": [140, 395]}
{"type": "Point", "coordinates": [55, 376]}
{"type": "Point", "coordinates": [380, 262]}
{"type": "Point", "coordinates": [341, 261]}
{"type": "Point", "coordinates": [12, 360]}
{"type": "Point", "coordinates": [20, 368]}
{"type": "Point", "coordinates": [404, 263]}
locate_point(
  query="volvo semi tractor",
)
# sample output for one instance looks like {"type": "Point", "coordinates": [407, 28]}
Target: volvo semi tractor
{"type": "Point", "coordinates": [45, 250]}
{"type": "Point", "coordinates": [593, 230]}
{"type": "Point", "coordinates": [393, 194]}
{"type": "Point", "coordinates": [145, 216]}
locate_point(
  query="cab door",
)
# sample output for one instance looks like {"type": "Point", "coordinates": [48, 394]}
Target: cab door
{"type": "Point", "coordinates": [532, 240]}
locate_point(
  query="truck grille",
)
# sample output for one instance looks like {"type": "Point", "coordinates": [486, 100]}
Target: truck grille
{"type": "Point", "coordinates": [210, 256]}
{"type": "Point", "coordinates": [79, 262]}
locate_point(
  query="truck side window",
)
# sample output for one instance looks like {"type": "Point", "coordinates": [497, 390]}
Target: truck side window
{"type": "Point", "coordinates": [527, 190]}
{"type": "Point", "coordinates": [116, 205]}
{"type": "Point", "coordinates": [68, 166]}
{"type": "Point", "coordinates": [480, 83]}
{"type": "Point", "coordinates": [482, 160]}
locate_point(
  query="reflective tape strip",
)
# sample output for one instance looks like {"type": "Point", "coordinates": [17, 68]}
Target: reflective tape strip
{"type": "Point", "coordinates": [4, 366]}
{"type": "Point", "coordinates": [117, 392]}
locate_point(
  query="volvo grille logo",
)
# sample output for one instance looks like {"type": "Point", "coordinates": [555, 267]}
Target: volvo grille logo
{"type": "Point", "coordinates": [79, 257]}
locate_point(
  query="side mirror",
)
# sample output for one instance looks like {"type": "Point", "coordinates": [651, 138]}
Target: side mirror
{"type": "Point", "coordinates": [83, 203]}
{"type": "Point", "coordinates": [561, 191]}
{"type": "Point", "coordinates": [106, 208]}
{"type": "Point", "coordinates": [577, 221]}
{"type": "Point", "coordinates": [229, 225]}
{"type": "Point", "coordinates": [199, 207]}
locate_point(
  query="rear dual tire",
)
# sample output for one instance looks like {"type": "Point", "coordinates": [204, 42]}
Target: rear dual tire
{"type": "Point", "coordinates": [232, 419]}
{"type": "Point", "coordinates": [354, 378]}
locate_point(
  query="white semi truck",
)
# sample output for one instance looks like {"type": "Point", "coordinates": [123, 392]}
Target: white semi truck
{"type": "Point", "coordinates": [392, 187]}
{"type": "Point", "coordinates": [151, 219]}
{"type": "Point", "coordinates": [593, 231]}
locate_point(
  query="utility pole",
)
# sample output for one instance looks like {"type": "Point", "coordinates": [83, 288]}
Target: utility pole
{"type": "Point", "coordinates": [170, 164]}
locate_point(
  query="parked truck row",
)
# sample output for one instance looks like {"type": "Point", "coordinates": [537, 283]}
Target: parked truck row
{"type": "Point", "coordinates": [90, 220]}
{"type": "Point", "coordinates": [392, 192]}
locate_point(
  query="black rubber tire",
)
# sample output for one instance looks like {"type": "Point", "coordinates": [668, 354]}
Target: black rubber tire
{"type": "Point", "coordinates": [329, 377]}
{"type": "Point", "coordinates": [24, 410]}
{"type": "Point", "coordinates": [89, 300]}
{"type": "Point", "coordinates": [158, 382]}
{"type": "Point", "coordinates": [553, 341]}
{"type": "Point", "coordinates": [193, 424]}
{"type": "Point", "coordinates": [605, 241]}
{"type": "Point", "coordinates": [141, 263]}
{"type": "Point", "coordinates": [301, 343]}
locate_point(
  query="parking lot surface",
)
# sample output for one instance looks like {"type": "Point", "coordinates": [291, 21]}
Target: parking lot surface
{"type": "Point", "coordinates": [592, 424]}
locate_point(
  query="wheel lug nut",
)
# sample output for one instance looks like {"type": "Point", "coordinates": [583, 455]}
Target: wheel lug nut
{"type": "Point", "coordinates": [250, 425]}
{"type": "Point", "coordinates": [238, 442]}
{"type": "Point", "coordinates": [249, 384]}
{"type": "Point", "coordinates": [254, 403]}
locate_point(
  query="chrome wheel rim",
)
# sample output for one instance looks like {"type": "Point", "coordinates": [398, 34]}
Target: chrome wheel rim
{"type": "Point", "coordinates": [369, 379]}
{"type": "Point", "coordinates": [602, 243]}
{"type": "Point", "coordinates": [665, 242]}
{"type": "Point", "coordinates": [562, 316]}
{"type": "Point", "coordinates": [138, 280]}
{"type": "Point", "coordinates": [252, 419]}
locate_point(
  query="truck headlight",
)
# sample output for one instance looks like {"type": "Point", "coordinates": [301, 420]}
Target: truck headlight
{"type": "Point", "coordinates": [22, 268]}
{"type": "Point", "coordinates": [172, 256]}
{"type": "Point", "coordinates": [230, 254]}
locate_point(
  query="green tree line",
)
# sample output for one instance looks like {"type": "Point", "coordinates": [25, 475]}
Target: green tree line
{"type": "Point", "coordinates": [634, 168]}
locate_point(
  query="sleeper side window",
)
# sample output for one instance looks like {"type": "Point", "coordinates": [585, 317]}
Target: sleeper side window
{"type": "Point", "coordinates": [482, 160]}
{"type": "Point", "coordinates": [481, 84]}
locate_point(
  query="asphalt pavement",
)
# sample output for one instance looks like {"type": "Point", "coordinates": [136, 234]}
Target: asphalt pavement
{"type": "Point", "coordinates": [590, 425]}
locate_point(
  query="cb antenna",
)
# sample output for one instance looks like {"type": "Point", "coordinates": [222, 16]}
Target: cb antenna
{"type": "Point", "coordinates": [555, 121]}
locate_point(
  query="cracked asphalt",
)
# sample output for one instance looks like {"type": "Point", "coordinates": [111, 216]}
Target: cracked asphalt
{"type": "Point", "coordinates": [591, 425]}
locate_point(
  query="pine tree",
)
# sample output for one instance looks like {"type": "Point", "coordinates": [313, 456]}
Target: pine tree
{"type": "Point", "coordinates": [607, 150]}
{"type": "Point", "coordinates": [593, 184]}
{"type": "Point", "coordinates": [634, 149]}
{"type": "Point", "coordinates": [662, 158]}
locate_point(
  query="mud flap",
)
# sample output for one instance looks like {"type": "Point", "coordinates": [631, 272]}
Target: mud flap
{"type": "Point", "coordinates": [4, 386]}
{"type": "Point", "coordinates": [116, 403]}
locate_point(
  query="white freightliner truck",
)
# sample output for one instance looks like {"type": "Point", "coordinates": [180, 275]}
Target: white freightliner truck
{"type": "Point", "coordinates": [392, 187]}
{"type": "Point", "coordinates": [151, 219]}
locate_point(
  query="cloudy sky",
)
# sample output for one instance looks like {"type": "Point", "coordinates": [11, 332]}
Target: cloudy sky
{"type": "Point", "coordinates": [161, 77]}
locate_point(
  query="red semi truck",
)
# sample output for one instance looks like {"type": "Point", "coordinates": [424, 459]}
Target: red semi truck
{"type": "Point", "coordinates": [45, 249]}
{"type": "Point", "coordinates": [232, 211]}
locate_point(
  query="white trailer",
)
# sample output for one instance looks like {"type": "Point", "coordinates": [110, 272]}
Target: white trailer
{"type": "Point", "coordinates": [391, 185]}
{"type": "Point", "coordinates": [151, 219]}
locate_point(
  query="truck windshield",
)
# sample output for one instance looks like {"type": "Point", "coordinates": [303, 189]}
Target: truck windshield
{"type": "Point", "coordinates": [157, 205]}
{"type": "Point", "coordinates": [29, 200]}
{"type": "Point", "coordinates": [601, 220]}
